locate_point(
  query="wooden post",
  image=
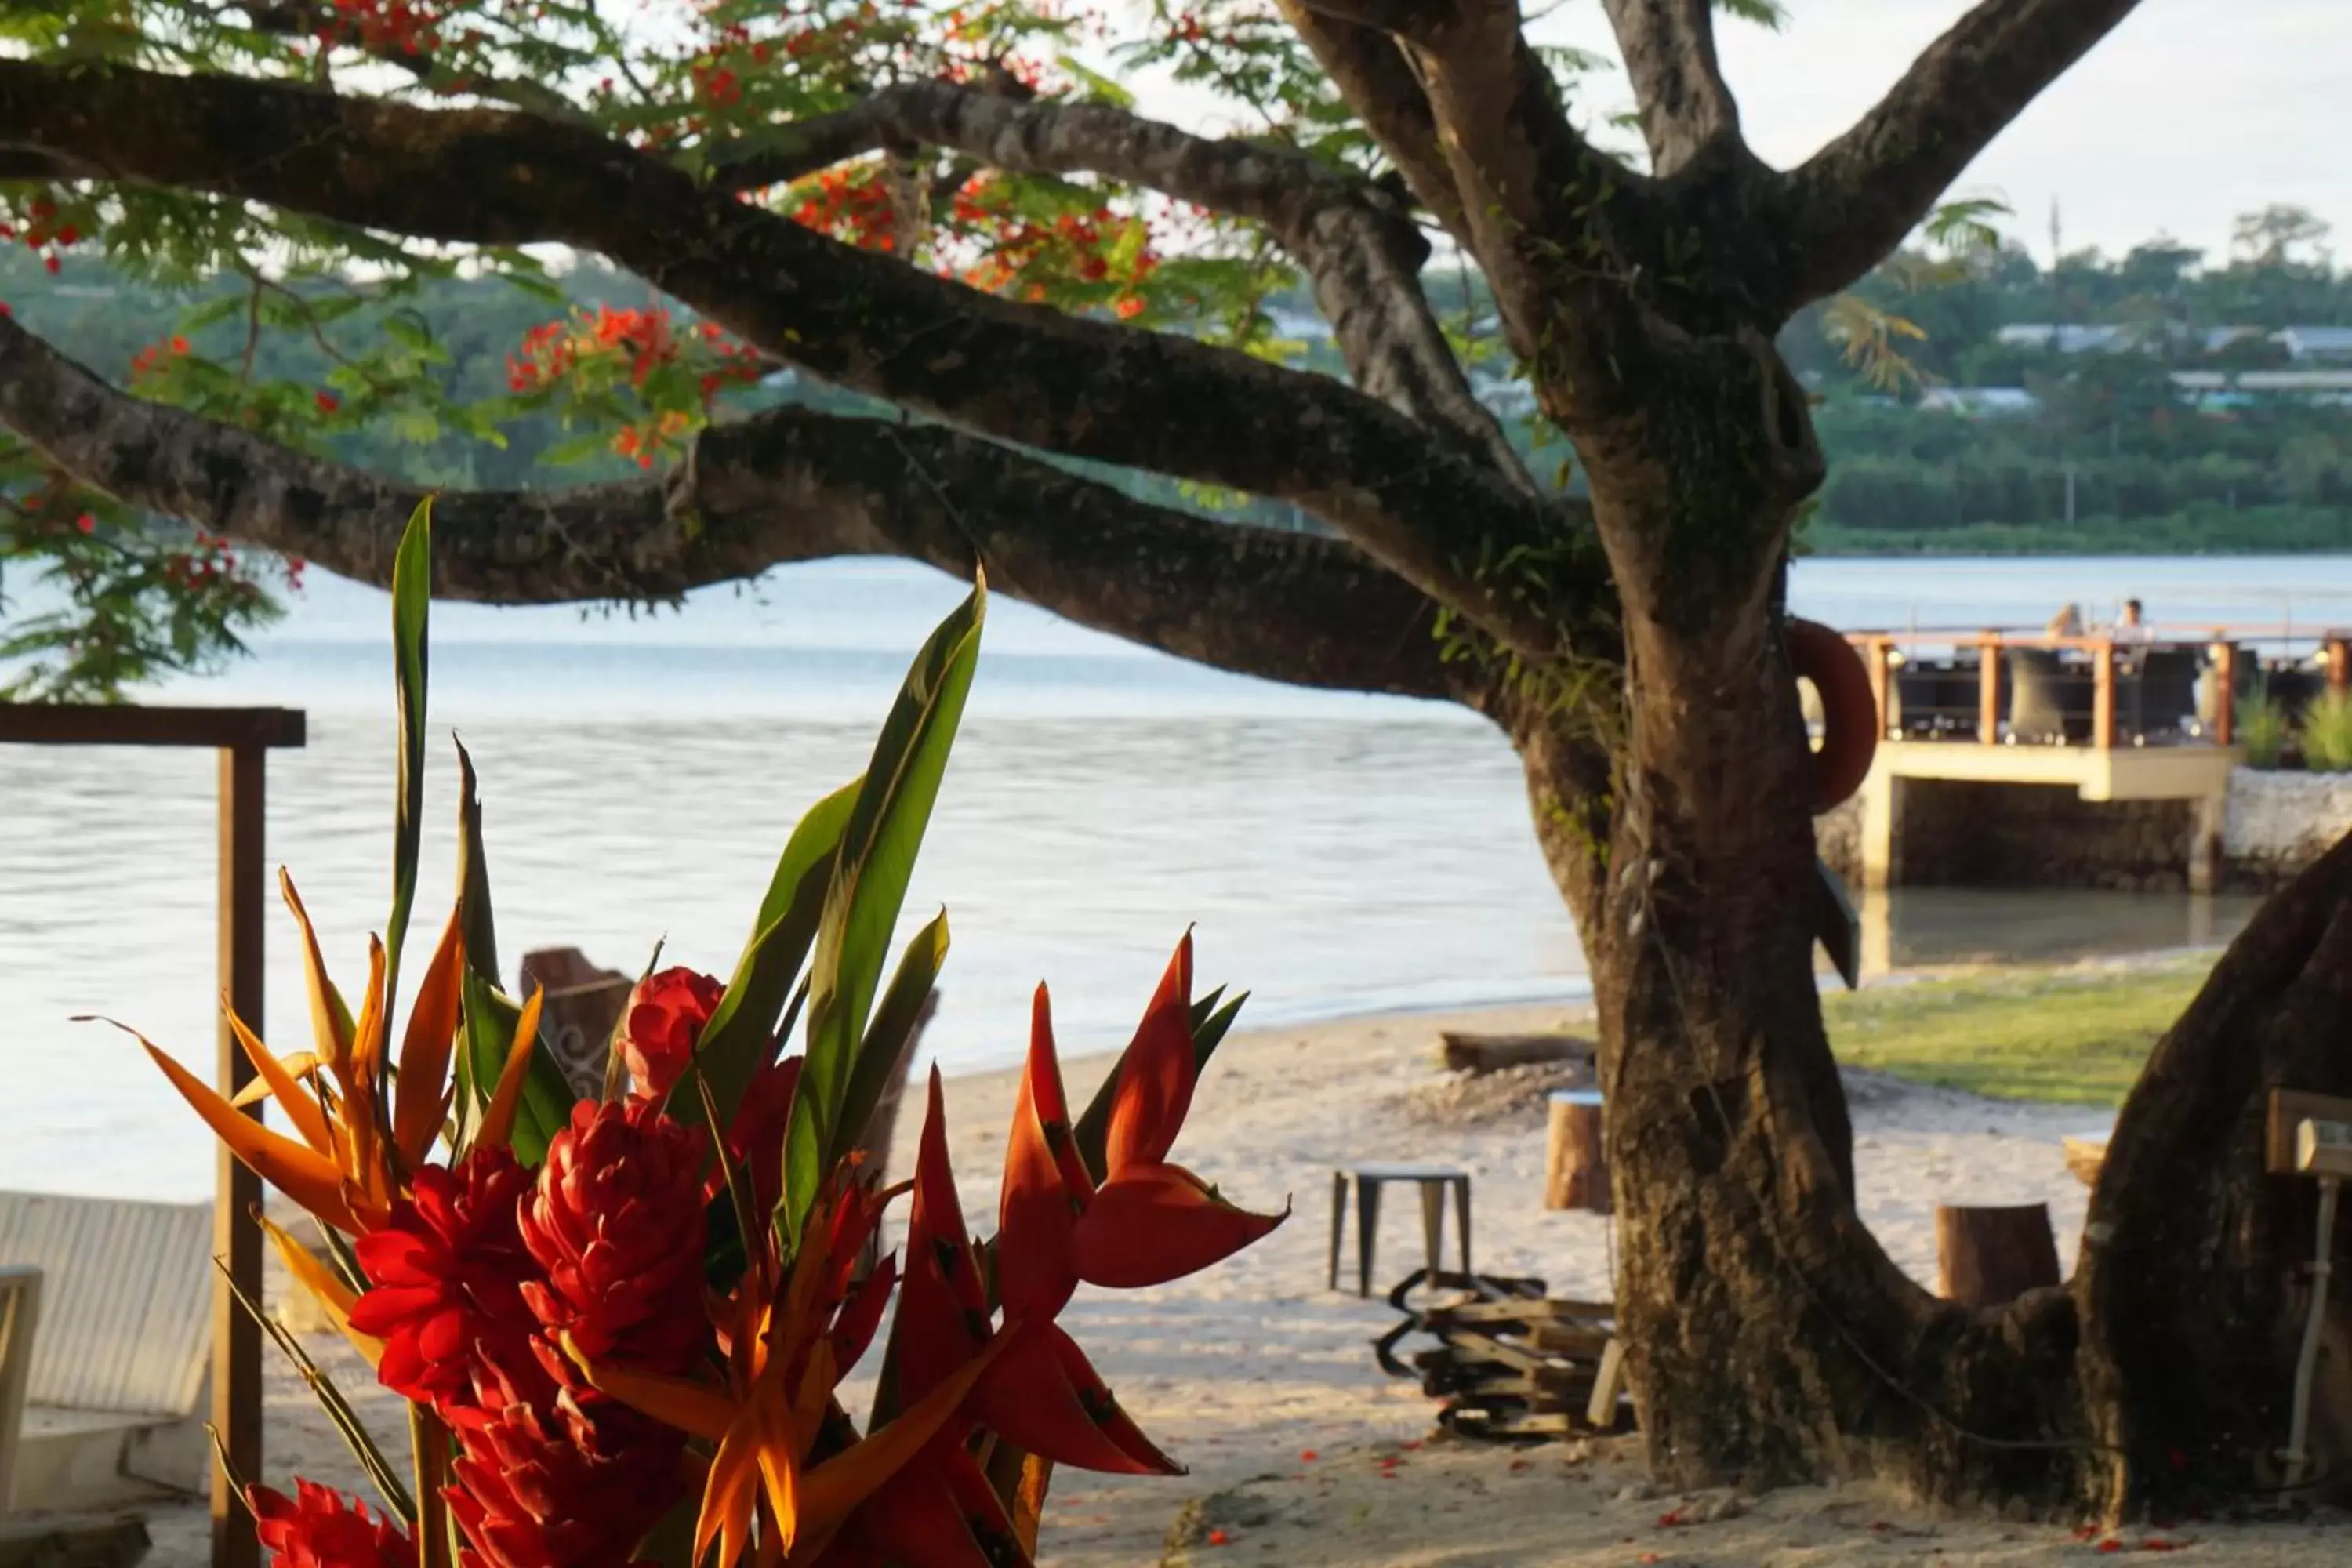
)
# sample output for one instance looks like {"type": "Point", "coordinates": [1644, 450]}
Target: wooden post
{"type": "Point", "coordinates": [2339, 662]}
{"type": "Point", "coordinates": [1576, 1159]}
{"type": "Point", "coordinates": [1989, 688]}
{"type": "Point", "coordinates": [2225, 698]}
{"type": "Point", "coordinates": [236, 1238]}
{"type": "Point", "coordinates": [1882, 682]}
{"type": "Point", "coordinates": [1986, 1257]}
{"type": "Point", "coordinates": [2103, 695]}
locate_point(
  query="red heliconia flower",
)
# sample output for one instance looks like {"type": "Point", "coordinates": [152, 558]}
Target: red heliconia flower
{"type": "Point", "coordinates": [618, 1223]}
{"type": "Point", "coordinates": [1040, 1392]}
{"type": "Point", "coordinates": [1150, 1222]}
{"type": "Point", "coordinates": [664, 1018]}
{"type": "Point", "coordinates": [447, 1275]}
{"type": "Point", "coordinates": [320, 1528]}
{"type": "Point", "coordinates": [554, 1487]}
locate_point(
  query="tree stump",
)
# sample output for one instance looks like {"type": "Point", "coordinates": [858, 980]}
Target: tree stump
{"type": "Point", "coordinates": [1576, 1161]}
{"type": "Point", "coordinates": [1988, 1256]}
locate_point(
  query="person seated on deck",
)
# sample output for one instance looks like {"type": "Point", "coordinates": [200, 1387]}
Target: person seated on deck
{"type": "Point", "coordinates": [2131, 627]}
{"type": "Point", "coordinates": [2067, 622]}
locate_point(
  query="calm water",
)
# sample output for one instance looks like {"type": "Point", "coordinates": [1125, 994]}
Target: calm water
{"type": "Point", "coordinates": [1338, 854]}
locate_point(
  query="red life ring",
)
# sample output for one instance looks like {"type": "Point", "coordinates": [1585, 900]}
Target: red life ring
{"type": "Point", "coordinates": [1849, 709]}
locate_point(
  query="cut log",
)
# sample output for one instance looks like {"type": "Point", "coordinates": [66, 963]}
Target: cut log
{"type": "Point", "coordinates": [1991, 1255]}
{"type": "Point", "coordinates": [2083, 1157]}
{"type": "Point", "coordinates": [1576, 1161]}
{"type": "Point", "coordinates": [1489, 1053]}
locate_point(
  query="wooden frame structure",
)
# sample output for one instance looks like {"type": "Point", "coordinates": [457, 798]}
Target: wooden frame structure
{"type": "Point", "coordinates": [244, 738]}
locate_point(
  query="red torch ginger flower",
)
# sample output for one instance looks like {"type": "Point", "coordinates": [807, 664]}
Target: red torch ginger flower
{"type": "Point", "coordinates": [552, 1487]}
{"type": "Point", "coordinates": [320, 1528]}
{"type": "Point", "coordinates": [664, 1018]}
{"type": "Point", "coordinates": [447, 1275]}
{"type": "Point", "coordinates": [618, 1223]}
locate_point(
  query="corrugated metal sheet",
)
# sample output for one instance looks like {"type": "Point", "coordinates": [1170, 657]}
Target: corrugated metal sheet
{"type": "Point", "coordinates": [125, 1301]}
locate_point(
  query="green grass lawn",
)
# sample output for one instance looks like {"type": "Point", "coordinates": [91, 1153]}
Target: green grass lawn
{"type": "Point", "coordinates": [2069, 1034]}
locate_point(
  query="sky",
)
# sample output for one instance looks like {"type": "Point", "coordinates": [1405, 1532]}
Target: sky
{"type": "Point", "coordinates": [2189, 113]}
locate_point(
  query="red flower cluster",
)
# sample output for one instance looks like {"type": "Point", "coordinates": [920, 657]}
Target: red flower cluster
{"type": "Point", "coordinates": [447, 1275]}
{"type": "Point", "coordinates": [42, 234]}
{"type": "Point", "coordinates": [852, 206]}
{"type": "Point", "coordinates": [320, 1528]}
{"type": "Point", "coordinates": [383, 26]}
{"type": "Point", "coordinates": [660, 1024]}
{"type": "Point", "coordinates": [155, 358]}
{"type": "Point", "coordinates": [1094, 248]}
{"type": "Point", "coordinates": [617, 1227]}
{"type": "Point", "coordinates": [479, 1276]}
{"type": "Point", "coordinates": [606, 346]}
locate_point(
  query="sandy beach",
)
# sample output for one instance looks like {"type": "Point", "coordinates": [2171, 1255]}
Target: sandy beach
{"type": "Point", "coordinates": [1245, 1372]}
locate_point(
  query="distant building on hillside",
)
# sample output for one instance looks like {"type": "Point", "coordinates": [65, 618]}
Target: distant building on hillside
{"type": "Point", "coordinates": [1980, 402]}
{"type": "Point", "coordinates": [2316, 345]}
{"type": "Point", "coordinates": [2070, 338]}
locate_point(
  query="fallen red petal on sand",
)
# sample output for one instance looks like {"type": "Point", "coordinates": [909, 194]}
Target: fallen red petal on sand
{"type": "Point", "coordinates": [1518, 1464]}
{"type": "Point", "coordinates": [1216, 1538]}
{"type": "Point", "coordinates": [1409, 1447]}
{"type": "Point", "coordinates": [1648, 1557]}
{"type": "Point", "coordinates": [2111, 1544]}
{"type": "Point", "coordinates": [1309, 1455]}
{"type": "Point", "coordinates": [1669, 1521]}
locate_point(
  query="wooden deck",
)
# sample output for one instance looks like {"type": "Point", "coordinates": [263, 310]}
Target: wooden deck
{"type": "Point", "coordinates": [2152, 718]}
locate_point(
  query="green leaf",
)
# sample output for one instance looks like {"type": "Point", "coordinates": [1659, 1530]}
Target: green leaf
{"type": "Point", "coordinates": [489, 1016]}
{"type": "Point", "coordinates": [886, 1038]}
{"type": "Point", "coordinates": [734, 1043]}
{"type": "Point", "coordinates": [412, 595]}
{"type": "Point", "coordinates": [869, 881]}
{"type": "Point", "coordinates": [578, 449]}
{"type": "Point", "coordinates": [1099, 88]}
{"type": "Point", "coordinates": [474, 877]}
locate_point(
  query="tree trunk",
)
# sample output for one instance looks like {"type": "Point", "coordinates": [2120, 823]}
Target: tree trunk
{"type": "Point", "coordinates": [1770, 1340]}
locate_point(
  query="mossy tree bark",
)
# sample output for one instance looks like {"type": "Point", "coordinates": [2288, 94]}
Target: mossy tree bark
{"type": "Point", "coordinates": [1631, 644]}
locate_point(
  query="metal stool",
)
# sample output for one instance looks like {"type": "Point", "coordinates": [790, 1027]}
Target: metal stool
{"type": "Point", "coordinates": [1433, 1181]}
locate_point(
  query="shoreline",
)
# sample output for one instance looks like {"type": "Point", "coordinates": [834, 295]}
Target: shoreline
{"type": "Point", "coordinates": [1245, 1370]}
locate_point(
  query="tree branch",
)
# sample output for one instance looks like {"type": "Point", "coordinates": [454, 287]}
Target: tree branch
{"type": "Point", "coordinates": [1668, 48]}
{"type": "Point", "coordinates": [1024, 374]}
{"type": "Point", "coordinates": [1381, 85]}
{"type": "Point", "coordinates": [789, 485]}
{"type": "Point", "coordinates": [1362, 255]}
{"type": "Point", "coordinates": [1550, 217]}
{"type": "Point", "coordinates": [1852, 201]}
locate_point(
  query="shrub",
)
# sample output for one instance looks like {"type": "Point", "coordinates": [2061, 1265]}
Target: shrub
{"type": "Point", "coordinates": [2327, 733]}
{"type": "Point", "coordinates": [2262, 727]}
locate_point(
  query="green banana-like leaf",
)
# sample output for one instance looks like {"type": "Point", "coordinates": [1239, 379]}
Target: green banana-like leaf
{"type": "Point", "coordinates": [869, 882]}
{"type": "Point", "coordinates": [885, 1040]}
{"type": "Point", "coordinates": [1211, 1023]}
{"type": "Point", "coordinates": [734, 1043]}
{"type": "Point", "coordinates": [488, 1020]}
{"type": "Point", "coordinates": [412, 597]}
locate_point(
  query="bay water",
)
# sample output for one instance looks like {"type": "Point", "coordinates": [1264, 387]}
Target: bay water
{"type": "Point", "coordinates": [1337, 853]}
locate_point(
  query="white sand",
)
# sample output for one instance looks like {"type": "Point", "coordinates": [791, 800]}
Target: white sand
{"type": "Point", "coordinates": [1240, 1370]}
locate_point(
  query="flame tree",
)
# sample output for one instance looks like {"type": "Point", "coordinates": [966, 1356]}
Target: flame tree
{"type": "Point", "coordinates": [946, 214]}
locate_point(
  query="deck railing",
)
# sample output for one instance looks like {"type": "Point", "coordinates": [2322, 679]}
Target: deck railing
{"type": "Point", "coordinates": [1884, 653]}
